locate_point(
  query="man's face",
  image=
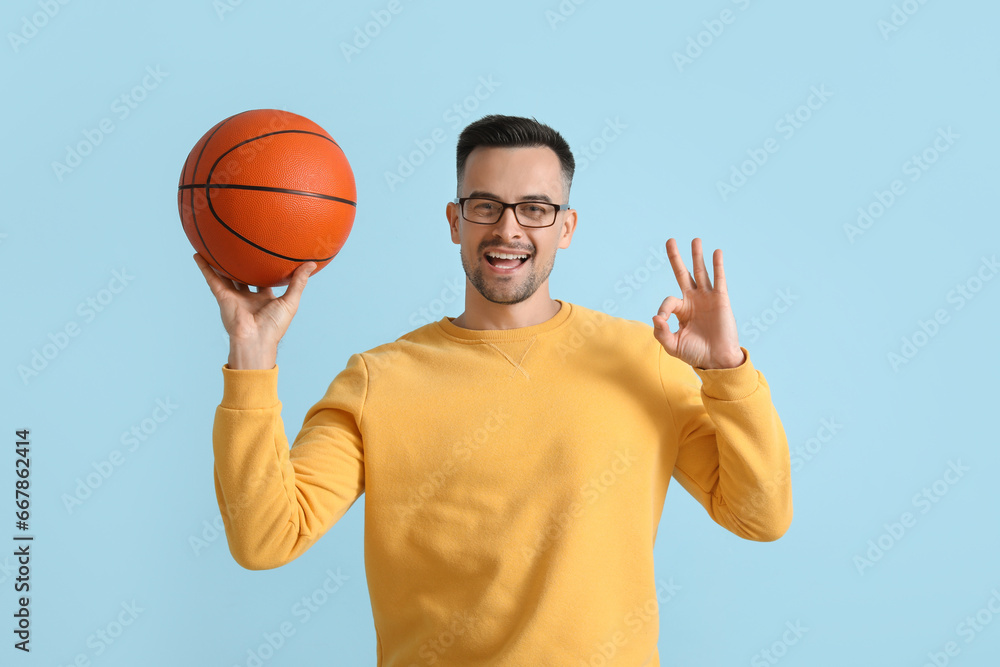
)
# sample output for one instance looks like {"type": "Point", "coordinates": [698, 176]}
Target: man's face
{"type": "Point", "coordinates": [511, 175]}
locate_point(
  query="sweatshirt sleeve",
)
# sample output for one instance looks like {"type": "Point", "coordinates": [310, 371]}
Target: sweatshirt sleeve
{"type": "Point", "coordinates": [732, 453]}
{"type": "Point", "coordinates": [277, 501]}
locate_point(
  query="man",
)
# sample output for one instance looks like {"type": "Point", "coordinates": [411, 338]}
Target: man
{"type": "Point", "coordinates": [515, 459]}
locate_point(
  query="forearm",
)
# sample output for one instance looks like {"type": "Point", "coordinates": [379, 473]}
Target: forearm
{"type": "Point", "coordinates": [276, 500]}
{"type": "Point", "coordinates": [254, 479]}
{"type": "Point", "coordinates": [732, 454]}
{"type": "Point", "coordinates": [753, 492]}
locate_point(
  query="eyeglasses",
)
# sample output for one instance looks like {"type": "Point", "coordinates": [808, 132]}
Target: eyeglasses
{"type": "Point", "coordinates": [527, 213]}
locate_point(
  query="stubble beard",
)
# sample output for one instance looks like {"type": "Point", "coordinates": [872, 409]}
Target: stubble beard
{"type": "Point", "coordinates": [503, 289]}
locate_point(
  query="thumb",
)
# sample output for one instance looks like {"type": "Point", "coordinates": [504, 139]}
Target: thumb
{"type": "Point", "coordinates": [298, 283]}
{"type": "Point", "coordinates": [661, 324]}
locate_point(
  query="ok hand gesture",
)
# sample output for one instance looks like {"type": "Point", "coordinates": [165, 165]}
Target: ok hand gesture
{"type": "Point", "coordinates": [706, 335]}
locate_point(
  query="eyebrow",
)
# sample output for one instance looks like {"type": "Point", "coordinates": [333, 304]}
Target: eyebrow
{"type": "Point", "coordinates": [490, 195]}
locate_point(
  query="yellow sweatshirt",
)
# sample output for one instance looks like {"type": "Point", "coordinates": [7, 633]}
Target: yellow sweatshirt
{"type": "Point", "coordinates": [514, 482]}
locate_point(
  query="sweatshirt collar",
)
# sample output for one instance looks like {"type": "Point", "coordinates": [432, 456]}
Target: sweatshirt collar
{"type": "Point", "coordinates": [502, 335]}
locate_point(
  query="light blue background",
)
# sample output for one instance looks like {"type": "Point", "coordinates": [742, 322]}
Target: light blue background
{"type": "Point", "coordinates": [685, 128]}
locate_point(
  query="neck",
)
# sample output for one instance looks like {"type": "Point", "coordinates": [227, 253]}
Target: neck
{"type": "Point", "coordinates": [483, 314]}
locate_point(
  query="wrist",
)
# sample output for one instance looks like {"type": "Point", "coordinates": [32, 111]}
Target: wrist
{"type": "Point", "coordinates": [729, 361]}
{"type": "Point", "coordinates": [250, 355]}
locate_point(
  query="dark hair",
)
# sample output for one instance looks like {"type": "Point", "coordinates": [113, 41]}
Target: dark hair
{"type": "Point", "coordinates": [513, 132]}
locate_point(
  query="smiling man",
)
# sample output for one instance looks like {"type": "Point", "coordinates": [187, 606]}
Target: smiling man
{"type": "Point", "coordinates": [508, 250]}
{"type": "Point", "coordinates": [515, 459]}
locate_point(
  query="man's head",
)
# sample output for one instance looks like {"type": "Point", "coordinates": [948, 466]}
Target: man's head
{"type": "Point", "coordinates": [514, 132]}
{"type": "Point", "coordinates": [512, 159]}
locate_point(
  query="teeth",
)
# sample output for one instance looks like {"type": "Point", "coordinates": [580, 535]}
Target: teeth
{"type": "Point", "coordinates": [502, 255]}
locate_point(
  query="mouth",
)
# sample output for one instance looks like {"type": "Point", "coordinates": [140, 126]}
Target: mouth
{"type": "Point", "coordinates": [503, 262]}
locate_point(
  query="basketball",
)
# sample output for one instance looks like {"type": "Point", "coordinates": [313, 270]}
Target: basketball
{"type": "Point", "coordinates": [263, 192]}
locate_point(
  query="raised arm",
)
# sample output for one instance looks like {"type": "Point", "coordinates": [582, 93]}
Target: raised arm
{"type": "Point", "coordinates": [277, 501]}
{"type": "Point", "coordinates": [732, 449]}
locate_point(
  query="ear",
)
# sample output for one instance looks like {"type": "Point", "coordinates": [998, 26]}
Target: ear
{"type": "Point", "coordinates": [568, 227]}
{"type": "Point", "coordinates": [451, 212]}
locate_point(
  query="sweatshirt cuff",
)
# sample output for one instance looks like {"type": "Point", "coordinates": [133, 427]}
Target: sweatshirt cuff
{"type": "Point", "coordinates": [249, 389]}
{"type": "Point", "coordinates": [729, 384]}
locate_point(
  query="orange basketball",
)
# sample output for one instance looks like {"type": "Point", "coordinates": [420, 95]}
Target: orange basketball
{"type": "Point", "coordinates": [263, 192]}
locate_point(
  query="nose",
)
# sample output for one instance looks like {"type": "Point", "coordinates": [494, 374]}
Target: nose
{"type": "Point", "coordinates": [507, 226]}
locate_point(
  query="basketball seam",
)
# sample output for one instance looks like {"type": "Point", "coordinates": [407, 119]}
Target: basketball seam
{"type": "Point", "coordinates": [261, 248]}
{"type": "Point", "coordinates": [265, 188]}
{"type": "Point", "coordinates": [181, 186]}
{"type": "Point", "coordinates": [211, 208]}
{"type": "Point", "coordinates": [194, 218]}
